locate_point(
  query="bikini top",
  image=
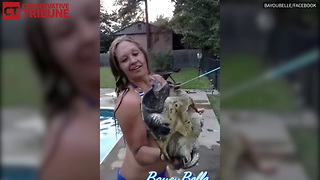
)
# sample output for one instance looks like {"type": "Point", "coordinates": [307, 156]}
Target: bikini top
{"type": "Point", "coordinates": [141, 93]}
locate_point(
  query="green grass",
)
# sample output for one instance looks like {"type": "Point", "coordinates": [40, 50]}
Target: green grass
{"type": "Point", "coordinates": [307, 148]}
{"type": "Point", "coordinates": [273, 95]}
{"type": "Point", "coordinates": [190, 73]}
{"type": "Point", "coordinates": [19, 81]}
{"type": "Point", "coordinates": [107, 79]}
{"type": "Point", "coordinates": [215, 103]}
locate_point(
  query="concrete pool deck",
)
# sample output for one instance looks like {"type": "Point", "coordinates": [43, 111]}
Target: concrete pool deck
{"type": "Point", "coordinates": [209, 148]}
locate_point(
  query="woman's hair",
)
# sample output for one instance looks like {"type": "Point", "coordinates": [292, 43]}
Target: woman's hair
{"type": "Point", "coordinates": [59, 89]}
{"type": "Point", "coordinates": [121, 79]}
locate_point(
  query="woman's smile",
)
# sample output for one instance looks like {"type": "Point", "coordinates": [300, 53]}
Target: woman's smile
{"type": "Point", "coordinates": [135, 68]}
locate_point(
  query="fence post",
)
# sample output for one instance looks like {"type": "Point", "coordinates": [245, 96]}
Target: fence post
{"type": "Point", "coordinates": [199, 56]}
{"type": "Point", "coordinates": [216, 80]}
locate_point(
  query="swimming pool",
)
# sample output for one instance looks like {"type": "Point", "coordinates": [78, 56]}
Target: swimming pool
{"type": "Point", "coordinates": [110, 133]}
{"type": "Point", "coordinates": [18, 172]}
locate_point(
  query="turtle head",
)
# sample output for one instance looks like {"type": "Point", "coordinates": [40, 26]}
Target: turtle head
{"type": "Point", "coordinates": [154, 99]}
{"type": "Point", "coordinates": [152, 108]}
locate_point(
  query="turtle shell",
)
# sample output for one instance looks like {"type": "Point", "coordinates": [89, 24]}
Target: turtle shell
{"type": "Point", "coordinates": [171, 118]}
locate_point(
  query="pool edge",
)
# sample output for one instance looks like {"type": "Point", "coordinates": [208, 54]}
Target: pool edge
{"type": "Point", "coordinates": [110, 150]}
{"type": "Point", "coordinates": [106, 108]}
{"type": "Point", "coordinates": [109, 108]}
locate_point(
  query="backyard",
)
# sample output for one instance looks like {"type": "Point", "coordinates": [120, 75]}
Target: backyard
{"type": "Point", "coordinates": [19, 81]}
{"type": "Point", "coordinates": [215, 103]}
{"type": "Point", "coordinates": [20, 86]}
{"type": "Point", "coordinates": [275, 95]}
{"type": "Point", "coordinates": [107, 79]}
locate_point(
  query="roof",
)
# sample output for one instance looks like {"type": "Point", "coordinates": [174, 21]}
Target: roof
{"type": "Point", "coordinates": [153, 29]}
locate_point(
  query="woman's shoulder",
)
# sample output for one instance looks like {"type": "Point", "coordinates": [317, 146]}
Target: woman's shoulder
{"type": "Point", "coordinates": [128, 97]}
{"type": "Point", "coordinates": [61, 143]}
{"type": "Point", "coordinates": [127, 101]}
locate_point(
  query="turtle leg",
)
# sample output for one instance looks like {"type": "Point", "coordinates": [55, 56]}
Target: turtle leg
{"type": "Point", "coordinates": [193, 106]}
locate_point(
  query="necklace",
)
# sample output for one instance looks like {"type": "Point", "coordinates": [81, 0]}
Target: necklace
{"type": "Point", "coordinates": [141, 92]}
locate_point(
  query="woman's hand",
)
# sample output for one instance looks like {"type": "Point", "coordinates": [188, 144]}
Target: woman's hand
{"type": "Point", "coordinates": [173, 165]}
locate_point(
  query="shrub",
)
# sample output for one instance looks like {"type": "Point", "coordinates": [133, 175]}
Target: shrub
{"type": "Point", "coordinates": [160, 61]}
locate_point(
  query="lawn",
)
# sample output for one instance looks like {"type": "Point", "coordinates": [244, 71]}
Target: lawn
{"type": "Point", "coordinates": [107, 79]}
{"type": "Point", "coordinates": [275, 95]}
{"type": "Point", "coordinates": [20, 84]}
{"type": "Point", "coordinates": [307, 148]}
{"type": "Point", "coordinates": [215, 103]}
{"type": "Point", "coordinates": [190, 73]}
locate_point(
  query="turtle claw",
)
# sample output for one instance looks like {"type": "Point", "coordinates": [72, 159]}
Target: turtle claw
{"type": "Point", "coordinates": [157, 126]}
{"type": "Point", "coordinates": [162, 131]}
{"type": "Point", "coordinates": [185, 164]}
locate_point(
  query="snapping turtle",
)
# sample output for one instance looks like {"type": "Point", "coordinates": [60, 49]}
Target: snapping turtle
{"type": "Point", "coordinates": [173, 120]}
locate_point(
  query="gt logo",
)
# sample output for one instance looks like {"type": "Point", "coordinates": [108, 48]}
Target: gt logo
{"type": "Point", "coordinates": [10, 10]}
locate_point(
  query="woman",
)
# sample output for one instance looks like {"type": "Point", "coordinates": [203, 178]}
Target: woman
{"type": "Point", "coordinates": [129, 65]}
{"type": "Point", "coordinates": [66, 53]}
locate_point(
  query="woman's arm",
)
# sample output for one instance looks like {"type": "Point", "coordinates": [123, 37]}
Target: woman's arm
{"type": "Point", "coordinates": [134, 130]}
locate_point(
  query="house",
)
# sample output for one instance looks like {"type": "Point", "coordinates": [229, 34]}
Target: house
{"type": "Point", "coordinates": [162, 39]}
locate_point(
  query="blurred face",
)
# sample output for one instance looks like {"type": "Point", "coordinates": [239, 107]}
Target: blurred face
{"type": "Point", "coordinates": [131, 60]}
{"type": "Point", "coordinates": [75, 41]}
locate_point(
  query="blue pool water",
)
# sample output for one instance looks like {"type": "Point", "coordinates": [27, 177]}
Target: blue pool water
{"type": "Point", "coordinates": [18, 173]}
{"type": "Point", "coordinates": [110, 133]}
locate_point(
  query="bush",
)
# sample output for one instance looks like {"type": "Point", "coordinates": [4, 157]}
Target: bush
{"type": "Point", "coordinates": [160, 61]}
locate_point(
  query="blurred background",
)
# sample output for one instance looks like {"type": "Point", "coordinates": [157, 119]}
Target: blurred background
{"type": "Point", "coordinates": [24, 121]}
{"type": "Point", "coordinates": [22, 125]}
{"type": "Point", "coordinates": [269, 91]}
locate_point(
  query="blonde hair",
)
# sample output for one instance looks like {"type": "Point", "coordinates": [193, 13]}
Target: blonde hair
{"type": "Point", "coordinates": [121, 79]}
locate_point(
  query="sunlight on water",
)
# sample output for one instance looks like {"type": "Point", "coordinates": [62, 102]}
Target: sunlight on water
{"type": "Point", "coordinates": [110, 133]}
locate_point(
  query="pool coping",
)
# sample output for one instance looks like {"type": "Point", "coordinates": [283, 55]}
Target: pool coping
{"type": "Point", "coordinates": [106, 107]}
{"type": "Point", "coordinates": [109, 108]}
{"type": "Point", "coordinates": [110, 150]}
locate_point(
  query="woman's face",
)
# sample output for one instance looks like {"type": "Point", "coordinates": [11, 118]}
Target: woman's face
{"type": "Point", "coordinates": [131, 60]}
{"type": "Point", "coordinates": [75, 41]}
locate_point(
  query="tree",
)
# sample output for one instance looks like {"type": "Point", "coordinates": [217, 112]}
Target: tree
{"type": "Point", "coordinates": [199, 22]}
{"type": "Point", "coordinates": [130, 11]}
{"type": "Point", "coordinates": [162, 21]}
{"type": "Point", "coordinates": [105, 21]}
{"type": "Point", "coordinates": [106, 31]}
